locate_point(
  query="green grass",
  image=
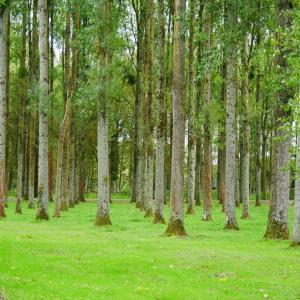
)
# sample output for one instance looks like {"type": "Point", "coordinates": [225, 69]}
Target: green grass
{"type": "Point", "coordinates": [70, 258]}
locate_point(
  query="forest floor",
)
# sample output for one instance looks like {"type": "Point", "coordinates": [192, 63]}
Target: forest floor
{"type": "Point", "coordinates": [70, 258]}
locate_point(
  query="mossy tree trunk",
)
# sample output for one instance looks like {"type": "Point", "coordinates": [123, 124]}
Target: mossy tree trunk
{"type": "Point", "coordinates": [191, 120]}
{"type": "Point", "coordinates": [33, 78]}
{"type": "Point", "coordinates": [207, 163]}
{"type": "Point", "coordinates": [22, 96]}
{"type": "Point", "coordinates": [245, 164]}
{"type": "Point", "coordinates": [278, 215]}
{"type": "Point", "coordinates": [176, 221]}
{"type": "Point", "coordinates": [161, 125]}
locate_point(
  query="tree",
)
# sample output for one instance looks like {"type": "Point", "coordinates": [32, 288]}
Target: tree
{"type": "Point", "coordinates": [3, 87]}
{"type": "Point", "coordinates": [207, 164]}
{"type": "Point", "coordinates": [278, 214]}
{"type": "Point", "coordinates": [103, 44]}
{"type": "Point", "coordinates": [176, 221]}
{"type": "Point", "coordinates": [231, 136]}
{"type": "Point", "coordinates": [191, 120]}
{"type": "Point", "coordinates": [246, 151]}
{"type": "Point", "coordinates": [43, 192]}
{"type": "Point", "coordinates": [296, 235]}
{"type": "Point", "coordinates": [161, 124]}
{"type": "Point", "coordinates": [22, 95]}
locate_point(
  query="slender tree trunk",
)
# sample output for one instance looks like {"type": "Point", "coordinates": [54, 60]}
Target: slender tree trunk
{"type": "Point", "coordinates": [43, 189]}
{"type": "Point", "coordinates": [191, 124]}
{"type": "Point", "coordinates": [161, 126]}
{"type": "Point", "coordinates": [199, 144]}
{"type": "Point", "coordinates": [149, 100]}
{"type": "Point", "coordinates": [222, 140]}
{"type": "Point", "coordinates": [278, 215]}
{"type": "Point", "coordinates": [246, 131]}
{"type": "Point", "coordinates": [7, 100]}
{"type": "Point", "coordinates": [32, 116]}
{"type": "Point", "coordinates": [81, 168]}
{"type": "Point", "coordinates": [59, 172]}
{"type": "Point", "coordinates": [21, 125]}
{"type": "Point", "coordinates": [102, 217]}
{"type": "Point", "coordinates": [31, 156]}
{"type": "Point", "coordinates": [176, 221]}
{"type": "Point", "coordinates": [137, 176]}
{"type": "Point", "coordinates": [296, 235]}
{"type": "Point", "coordinates": [231, 136]}
{"type": "Point", "coordinates": [51, 87]}
{"type": "Point", "coordinates": [207, 164]}
{"type": "Point", "coordinates": [3, 87]}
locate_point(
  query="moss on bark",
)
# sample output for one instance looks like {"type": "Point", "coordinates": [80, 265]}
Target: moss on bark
{"type": "Point", "coordinates": [64, 206]}
{"type": "Point", "coordinates": [102, 220]}
{"type": "Point", "coordinates": [149, 213]}
{"type": "Point", "coordinates": [158, 219]}
{"type": "Point", "coordinates": [42, 214]}
{"type": "Point", "coordinates": [175, 227]}
{"type": "Point", "coordinates": [277, 230]}
{"type": "Point", "coordinates": [231, 225]}
{"type": "Point", "coordinates": [190, 211]}
{"type": "Point", "coordinates": [31, 205]}
{"type": "Point", "coordinates": [245, 215]}
{"type": "Point", "coordinates": [2, 211]}
{"type": "Point", "coordinates": [18, 209]}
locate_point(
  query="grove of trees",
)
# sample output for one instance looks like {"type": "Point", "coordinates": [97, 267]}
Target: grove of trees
{"type": "Point", "coordinates": [178, 102]}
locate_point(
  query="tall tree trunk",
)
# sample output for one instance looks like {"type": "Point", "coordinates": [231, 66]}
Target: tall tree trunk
{"type": "Point", "coordinates": [3, 87]}
{"type": "Point", "coordinates": [246, 131]}
{"type": "Point", "coordinates": [81, 168]}
{"type": "Point", "coordinates": [296, 235]}
{"type": "Point", "coordinates": [149, 99]}
{"type": "Point", "coordinates": [51, 98]}
{"type": "Point", "coordinates": [222, 139]}
{"type": "Point", "coordinates": [7, 99]}
{"type": "Point", "coordinates": [231, 136]}
{"type": "Point", "coordinates": [191, 124]}
{"type": "Point", "coordinates": [32, 116]}
{"type": "Point", "coordinates": [207, 163]}
{"type": "Point", "coordinates": [102, 217]}
{"type": "Point", "coordinates": [137, 176]}
{"type": "Point", "coordinates": [59, 172]}
{"type": "Point", "coordinates": [278, 215]}
{"type": "Point", "coordinates": [199, 143]}
{"type": "Point", "coordinates": [22, 91]}
{"type": "Point", "coordinates": [176, 221]}
{"type": "Point", "coordinates": [161, 125]}
{"type": "Point", "coordinates": [43, 189]}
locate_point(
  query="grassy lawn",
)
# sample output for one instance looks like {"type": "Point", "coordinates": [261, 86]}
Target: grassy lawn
{"type": "Point", "coordinates": [70, 258]}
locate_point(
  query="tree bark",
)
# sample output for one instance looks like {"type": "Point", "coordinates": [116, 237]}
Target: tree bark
{"type": "Point", "coordinates": [3, 87]}
{"type": "Point", "coordinates": [278, 215]}
{"type": "Point", "coordinates": [43, 189]}
{"type": "Point", "coordinates": [102, 217]}
{"type": "Point", "coordinates": [21, 125]}
{"type": "Point", "coordinates": [176, 221]}
{"type": "Point", "coordinates": [231, 136]}
{"type": "Point", "coordinates": [32, 117]}
{"type": "Point", "coordinates": [207, 163]}
{"type": "Point", "coordinates": [246, 131]}
{"type": "Point", "coordinates": [161, 125]}
{"type": "Point", "coordinates": [296, 235]}
{"type": "Point", "coordinates": [191, 121]}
